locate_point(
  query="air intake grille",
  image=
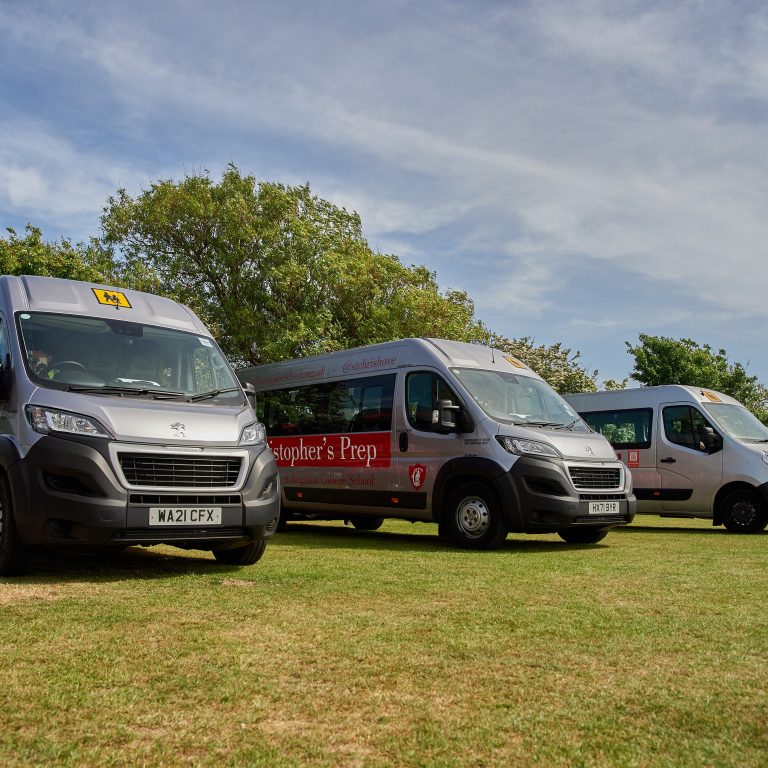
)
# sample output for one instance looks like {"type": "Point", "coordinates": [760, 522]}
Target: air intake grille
{"type": "Point", "coordinates": [586, 478]}
{"type": "Point", "coordinates": [168, 471]}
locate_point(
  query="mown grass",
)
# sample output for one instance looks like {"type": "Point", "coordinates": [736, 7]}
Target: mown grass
{"type": "Point", "coordinates": [343, 648]}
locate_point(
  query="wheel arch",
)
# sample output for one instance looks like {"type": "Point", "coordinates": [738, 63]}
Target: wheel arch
{"type": "Point", "coordinates": [469, 469]}
{"type": "Point", "coordinates": [736, 485]}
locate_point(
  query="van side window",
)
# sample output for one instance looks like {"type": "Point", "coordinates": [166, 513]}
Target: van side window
{"type": "Point", "coordinates": [354, 405]}
{"type": "Point", "coordinates": [683, 425]}
{"type": "Point", "coordinates": [629, 428]}
{"type": "Point", "coordinates": [422, 391]}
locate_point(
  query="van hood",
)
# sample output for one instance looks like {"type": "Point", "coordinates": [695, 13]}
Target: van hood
{"type": "Point", "coordinates": [159, 422]}
{"type": "Point", "coordinates": [574, 446]}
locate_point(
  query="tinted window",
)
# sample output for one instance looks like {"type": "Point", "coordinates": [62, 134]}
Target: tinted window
{"type": "Point", "coordinates": [630, 428]}
{"type": "Point", "coordinates": [357, 405]}
{"type": "Point", "coordinates": [423, 390]}
{"type": "Point", "coordinates": [683, 425]}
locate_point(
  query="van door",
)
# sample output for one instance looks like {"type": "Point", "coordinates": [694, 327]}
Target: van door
{"type": "Point", "coordinates": [422, 452]}
{"type": "Point", "coordinates": [690, 475]}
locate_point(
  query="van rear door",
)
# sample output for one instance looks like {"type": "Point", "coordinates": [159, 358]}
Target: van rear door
{"type": "Point", "coordinates": [690, 475]}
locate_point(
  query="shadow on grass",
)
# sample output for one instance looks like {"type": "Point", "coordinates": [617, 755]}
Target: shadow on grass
{"type": "Point", "coordinates": [53, 567]}
{"type": "Point", "coordinates": [683, 529]}
{"type": "Point", "coordinates": [337, 537]}
{"type": "Point", "coordinates": [140, 563]}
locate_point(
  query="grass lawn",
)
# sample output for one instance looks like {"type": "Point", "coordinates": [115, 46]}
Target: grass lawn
{"type": "Point", "coordinates": [344, 648]}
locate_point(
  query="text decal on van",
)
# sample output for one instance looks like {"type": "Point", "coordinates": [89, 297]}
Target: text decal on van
{"type": "Point", "coordinates": [352, 450]}
{"type": "Point", "coordinates": [111, 298]}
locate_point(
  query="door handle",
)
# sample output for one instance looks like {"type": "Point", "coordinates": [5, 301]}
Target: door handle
{"type": "Point", "coordinates": [403, 442]}
{"type": "Point", "coordinates": [668, 460]}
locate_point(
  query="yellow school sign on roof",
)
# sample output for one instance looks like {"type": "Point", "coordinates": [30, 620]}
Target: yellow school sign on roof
{"type": "Point", "coordinates": [111, 298]}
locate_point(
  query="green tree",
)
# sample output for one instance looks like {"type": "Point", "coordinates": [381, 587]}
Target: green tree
{"type": "Point", "coordinates": [661, 360]}
{"type": "Point", "coordinates": [555, 363]}
{"type": "Point", "coordinates": [275, 271]}
{"type": "Point", "coordinates": [30, 255]}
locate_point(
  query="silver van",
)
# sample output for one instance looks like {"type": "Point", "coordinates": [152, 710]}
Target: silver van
{"type": "Point", "coordinates": [438, 431]}
{"type": "Point", "coordinates": [122, 423]}
{"type": "Point", "coordinates": [693, 452]}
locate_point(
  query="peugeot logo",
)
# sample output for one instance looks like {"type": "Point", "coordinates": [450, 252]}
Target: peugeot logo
{"type": "Point", "coordinates": [587, 448]}
{"type": "Point", "coordinates": [178, 429]}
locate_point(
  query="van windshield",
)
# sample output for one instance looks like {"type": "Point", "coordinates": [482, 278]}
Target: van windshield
{"type": "Point", "coordinates": [124, 359]}
{"type": "Point", "coordinates": [513, 399]}
{"type": "Point", "coordinates": [737, 421]}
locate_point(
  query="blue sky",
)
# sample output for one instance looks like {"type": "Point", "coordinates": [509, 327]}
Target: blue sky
{"type": "Point", "coordinates": [586, 171]}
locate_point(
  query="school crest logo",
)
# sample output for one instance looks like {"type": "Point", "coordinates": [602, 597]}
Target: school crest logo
{"type": "Point", "coordinates": [417, 473]}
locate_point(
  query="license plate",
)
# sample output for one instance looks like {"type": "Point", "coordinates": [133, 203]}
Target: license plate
{"type": "Point", "coordinates": [185, 515]}
{"type": "Point", "coordinates": [604, 508]}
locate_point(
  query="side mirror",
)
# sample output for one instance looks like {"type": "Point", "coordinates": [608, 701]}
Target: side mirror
{"type": "Point", "coordinates": [250, 394]}
{"type": "Point", "coordinates": [445, 417]}
{"type": "Point", "coordinates": [710, 439]}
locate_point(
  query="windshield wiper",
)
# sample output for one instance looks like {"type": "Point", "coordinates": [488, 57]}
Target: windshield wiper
{"type": "Point", "coordinates": [212, 393]}
{"type": "Point", "coordinates": [569, 426]}
{"type": "Point", "coordinates": [157, 394]}
{"type": "Point", "coordinates": [539, 424]}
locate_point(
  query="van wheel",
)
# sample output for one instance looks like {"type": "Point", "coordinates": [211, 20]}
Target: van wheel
{"type": "Point", "coordinates": [362, 523]}
{"type": "Point", "coordinates": [744, 512]}
{"type": "Point", "coordinates": [472, 519]}
{"type": "Point", "coordinates": [582, 535]}
{"type": "Point", "coordinates": [12, 554]}
{"type": "Point", "coordinates": [247, 555]}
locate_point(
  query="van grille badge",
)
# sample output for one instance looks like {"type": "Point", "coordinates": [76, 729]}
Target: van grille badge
{"type": "Point", "coordinates": [178, 429]}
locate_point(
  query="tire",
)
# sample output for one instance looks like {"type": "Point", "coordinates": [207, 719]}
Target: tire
{"type": "Point", "coordinates": [12, 553]}
{"type": "Point", "coordinates": [362, 523]}
{"type": "Point", "coordinates": [472, 518]}
{"type": "Point", "coordinates": [743, 511]}
{"type": "Point", "coordinates": [582, 535]}
{"type": "Point", "coordinates": [247, 555]}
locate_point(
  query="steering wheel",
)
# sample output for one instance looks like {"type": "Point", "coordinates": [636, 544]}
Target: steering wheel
{"type": "Point", "coordinates": [68, 363]}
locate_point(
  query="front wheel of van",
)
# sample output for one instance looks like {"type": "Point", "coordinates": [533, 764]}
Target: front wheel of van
{"type": "Point", "coordinates": [12, 554]}
{"type": "Point", "coordinates": [582, 535]}
{"type": "Point", "coordinates": [247, 555]}
{"type": "Point", "coordinates": [744, 512]}
{"type": "Point", "coordinates": [472, 519]}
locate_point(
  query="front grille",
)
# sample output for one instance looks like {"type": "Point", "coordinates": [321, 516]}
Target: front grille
{"type": "Point", "coordinates": [587, 478]}
{"type": "Point", "coordinates": [170, 471]}
{"type": "Point", "coordinates": [191, 500]}
{"type": "Point", "coordinates": [154, 535]}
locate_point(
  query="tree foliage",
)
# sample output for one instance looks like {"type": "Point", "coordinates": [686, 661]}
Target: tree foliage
{"type": "Point", "coordinates": [555, 363]}
{"type": "Point", "coordinates": [276, 271]}
{"type": "Point", "coordinates": [662, 360]}
{"type": "Point", "coordinates": [30, 255]}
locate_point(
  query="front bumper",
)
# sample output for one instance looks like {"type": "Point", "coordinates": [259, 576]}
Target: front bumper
{"type": "Point", "coordinates": [66, 493]}
{"type": "Point", "coordinates": [538, 497]}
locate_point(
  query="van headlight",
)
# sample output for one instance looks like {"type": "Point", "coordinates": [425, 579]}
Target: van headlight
{"type": "Point", "coordinates": [254, 434]}
{"type": "Point", "coordinates": [765, 456]}
{"type": "Point", "coordinates": [523, 447]}
{"type": "Point", "coordinates": [47, 420]}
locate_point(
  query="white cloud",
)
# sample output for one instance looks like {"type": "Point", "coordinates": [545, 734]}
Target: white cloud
{"type": "Point", "coordinates": [508, 146]}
